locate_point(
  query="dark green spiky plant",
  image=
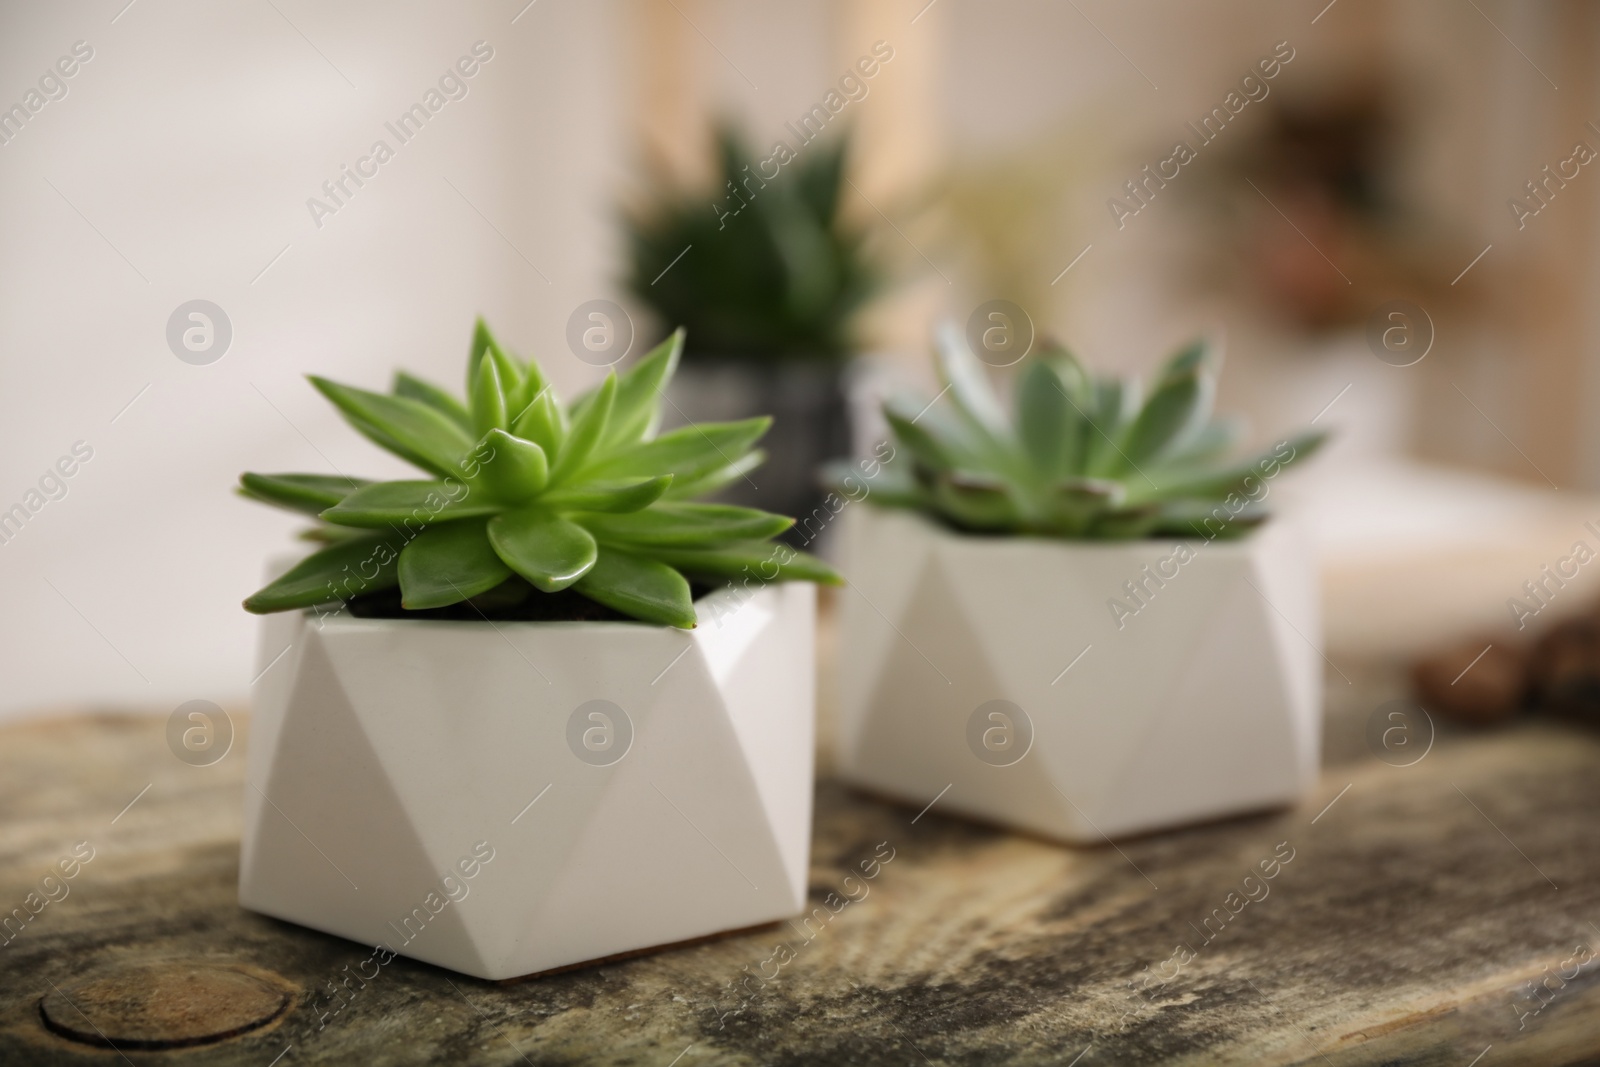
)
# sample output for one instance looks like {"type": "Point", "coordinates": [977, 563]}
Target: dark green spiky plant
{"type": "Point", "coordinates": [525, 495]}
{"type": "Point", "coordinates": [771, 273]}
{"type": "Point", "coordinates": [1084, 457]}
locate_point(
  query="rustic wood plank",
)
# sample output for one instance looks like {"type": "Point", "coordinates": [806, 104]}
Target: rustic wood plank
{"type": "Point", "coordinates": [1403, 930]}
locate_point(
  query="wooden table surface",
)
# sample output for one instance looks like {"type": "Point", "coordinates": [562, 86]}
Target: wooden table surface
{"type": "Point", "coordinates": [1406, 929]}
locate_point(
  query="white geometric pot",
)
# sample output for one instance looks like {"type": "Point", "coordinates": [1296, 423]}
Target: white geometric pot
{"type": "Point", "coordinates": [954, 672]}
{"type": "Point", "coordinates": [506, 798]}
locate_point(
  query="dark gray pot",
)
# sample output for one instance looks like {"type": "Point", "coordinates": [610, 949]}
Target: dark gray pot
{"type": "Point", "coordinates": [810, 421]}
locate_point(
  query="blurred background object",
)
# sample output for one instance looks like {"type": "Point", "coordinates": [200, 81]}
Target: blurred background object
{"type": "Point", "coordinates": [185, 158]}
{"type": "Point", "coordinates": [1309, 221]}
{"type": "Point", "coordinates": [769, 281]}
{"type": "Point", "coordinates": [784, 282]}
{"type": "Point", "coordinates": [1497, 675]}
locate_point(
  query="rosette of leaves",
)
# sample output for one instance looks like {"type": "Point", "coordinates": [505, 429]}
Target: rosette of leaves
{"type": "Point", "coordinates": [524, 495]}
{"type": "Point", "coordinates": [1085, 456]}
{"type": "Point", "coordinates": [772, 271]}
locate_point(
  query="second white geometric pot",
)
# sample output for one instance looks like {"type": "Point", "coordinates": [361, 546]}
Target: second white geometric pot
{"type": "Point", "coordinates": [508, 798]}
{"type": "Point", "coordinates": [998, 674]}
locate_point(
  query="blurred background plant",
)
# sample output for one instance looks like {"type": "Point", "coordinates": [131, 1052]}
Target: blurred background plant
{"type": "Point", "coordinates": [769, 280]}
{"type": "Point", "coordinates": [755, 268]}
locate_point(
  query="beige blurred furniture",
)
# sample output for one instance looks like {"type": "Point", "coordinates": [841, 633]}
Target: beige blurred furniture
{"type": "Point", "coordinates": [1415, 556]}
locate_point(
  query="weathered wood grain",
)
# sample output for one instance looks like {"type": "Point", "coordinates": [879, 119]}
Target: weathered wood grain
{"type": "Point", "coordinates": [1403, 930]}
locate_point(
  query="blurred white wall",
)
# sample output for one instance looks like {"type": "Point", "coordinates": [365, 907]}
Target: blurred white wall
{"type": "Point", "coordinates": [177, 166]}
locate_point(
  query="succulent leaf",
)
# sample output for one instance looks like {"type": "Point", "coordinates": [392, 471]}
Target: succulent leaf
{"type": "Point", "coordinates": [588, 430]}
{"type": "Point", "coordinates": [1129, 525]}
{"type": "Point", "coordinates": [980, 502]}
{"type": "Point", "coordinates": [636, 412]}
{"type": "Point", "coordinates": [512, 470]}
{"type": "Point", "coordinates": [488, 400]}
{"type": "Point", "coordinates": [969, 387]}
{"type": "Point", "coordinates": [409, 428]}
{"type": "Point", "coordinates": [550, 551]}
{"type": "Point", "coordinates": [511, 371]}
{"type": "Point", "coordinates": [1214, 440]}
{"type": "Point", "coordinates": [1076, 388]}
{"type": "Point", "coordinates": [415, 388]}
{"type": "Point", "coordinates": [1097, 493]}
{"type": "Point", "coordinates": [928, 449]}
{"type": "Point", "coordinates": [758, 560]}
{"type": "Point", "coordinates": [1045, 419]}
{"type": "Point", "coordinates": [1180, 406]}
{"type": "Point", "coordinates": [962, 445]}
{"type": "Point", "coordinates": [686, 524]}
{"type": "Point", "coordinates": [449, 563]}
{"type": "Point", "coordinates": [1208, 519]}
{"type": "Point", "coordinates": [542, 421]}
{"type": "Point", "coordinates": [532, 386]}
{"type": "Point", "coordinates": [711, 481]}
{"type": "Point", "coordinates": [609, 496]}
{"type": "Point", "coordinates": [328, 534]}
{"type": "Point", "coordinates": [407, 505]}
{"type": "Point", "coordinates": [333, 573]}
{"type": "Point", "coordinates": [391, 444]}
{"type": "Point", "coordinates": [310, 494]}
{"type": "Point", "coordinates": [1114, 399]}
{"type": "Point", "coordinates": [1215, 483]}
{"type": "Point", "coordinates": [644, 588]}
{"type": "Point", "coordinates": [1196, 355]}
{"type": "Point", "coordinates": [483, 342]}
{"type": "Point", "coordinates": [687, 452]}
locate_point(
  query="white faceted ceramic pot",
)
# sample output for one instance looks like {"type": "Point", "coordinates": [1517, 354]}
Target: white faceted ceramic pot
{"type": "Point", "coordinates": [507, 798]}
{"type": "Point", "coordinates": [995, 674]}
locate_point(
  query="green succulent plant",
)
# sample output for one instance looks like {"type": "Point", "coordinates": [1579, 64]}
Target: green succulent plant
{"type": "Point", "coordinates": [1085, 456]}
{"type": "Point", "coordinates": [525, 495]}
{"type": "Point", "coordinates": [773, 273]}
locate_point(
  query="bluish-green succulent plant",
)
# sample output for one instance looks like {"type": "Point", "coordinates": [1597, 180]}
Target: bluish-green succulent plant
{"type": "Point", "coordinates": [1083, 456]}
{"type": "Point", "coordinates": [525, 495]}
